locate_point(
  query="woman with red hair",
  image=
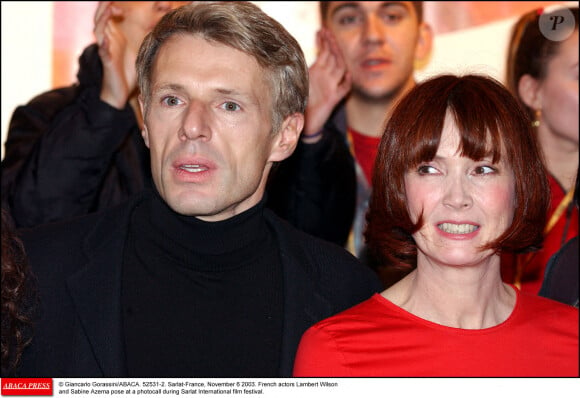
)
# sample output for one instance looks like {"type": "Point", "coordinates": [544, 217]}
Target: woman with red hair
{"type": "Point", "coordinates": [458, 179]}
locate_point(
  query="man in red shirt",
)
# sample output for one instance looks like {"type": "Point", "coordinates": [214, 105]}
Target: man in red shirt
{"type": "Point", "coordinates": [365, 64]}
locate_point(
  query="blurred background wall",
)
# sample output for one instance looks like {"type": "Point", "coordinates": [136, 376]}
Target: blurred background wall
{"type": "Point", "coordinates": [41, 41]}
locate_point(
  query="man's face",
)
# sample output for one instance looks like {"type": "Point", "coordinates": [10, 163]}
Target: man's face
{"type": "Point", "coordinates": [379, 41]}
{"type": "Point", "coordinates": [208, 127]}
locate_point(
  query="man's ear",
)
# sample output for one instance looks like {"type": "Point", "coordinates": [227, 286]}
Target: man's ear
{"type": "Point", "coordinates": [144, 131]}
{"type": "Point", "coordinates": [529, 91]}
{"type": "Point", "coordinates": [424, 45]}
{"type": "Point", "coordinates": [286, 140]}
{"type": "Point", "coordinates": [145, 135]}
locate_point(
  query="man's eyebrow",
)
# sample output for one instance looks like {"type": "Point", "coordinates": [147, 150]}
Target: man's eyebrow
{"type": "Point", "coordinates": [343, 6]}
{"type": "Point", "coordinates": [229, 91]}
{"type": "Point", "coordinates": [246, 97]}
{"type": "Point", "coordinates": [167, 87]}
{"type": "Point", "coordinates": [384, 4]}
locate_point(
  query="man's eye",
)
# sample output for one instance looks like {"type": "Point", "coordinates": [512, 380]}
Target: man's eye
{"type": "Point", "coordinates": [348, 19]}
{"type": "Point", "coordinates": [171, 101]}
{"type": "Point", "coordinates": [392, 18]}
{"type": "Point", "coordinates": [230, 106]}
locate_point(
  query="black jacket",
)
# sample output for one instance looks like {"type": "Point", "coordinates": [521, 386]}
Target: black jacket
{"type": "Point", "coordinates": [78, 268]}
{"type": "Point", "coordinates": [561, 275]}
{"type": "Point", "coordinates": [315, 188]}
{"type": "Point", "coordinates": [68, 153]}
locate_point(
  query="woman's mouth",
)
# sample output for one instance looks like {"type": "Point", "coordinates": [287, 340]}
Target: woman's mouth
{"type": "Point", "coordinates": [460, 229]}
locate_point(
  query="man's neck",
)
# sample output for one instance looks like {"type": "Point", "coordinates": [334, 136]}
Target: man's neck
{"type": "Point", "coordinates": [369, 116]}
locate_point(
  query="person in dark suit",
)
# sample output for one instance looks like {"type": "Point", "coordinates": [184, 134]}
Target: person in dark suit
{"type": "Point", "coordinates": [561, 276]}
{"type": "Point", "coordinates": [367, 52]}
{"type": "Point", "coordinates": [196, 278]}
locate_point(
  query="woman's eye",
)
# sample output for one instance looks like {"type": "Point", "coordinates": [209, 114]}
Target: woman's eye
{"type": "Point", "coordinates": [484, 170]}
{"type": "Point", "coordinates": [426, 169]}
{"type": "Point", "coordinates": [230, 106]}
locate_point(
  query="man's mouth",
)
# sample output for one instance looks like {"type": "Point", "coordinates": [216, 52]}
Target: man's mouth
{"type": "Point", "coordinates": [193, 168]}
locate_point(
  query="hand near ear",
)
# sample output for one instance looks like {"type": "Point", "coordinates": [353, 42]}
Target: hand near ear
{"type": "Point", "coordinates": [119, 75]}
{"type": "Point", "coordinates": [330, 81]}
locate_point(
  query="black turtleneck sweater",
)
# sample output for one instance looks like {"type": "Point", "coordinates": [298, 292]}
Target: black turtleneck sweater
{"type": "Point", "coordinates": [201, 299]}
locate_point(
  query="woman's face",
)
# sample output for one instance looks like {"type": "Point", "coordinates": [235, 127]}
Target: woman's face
{"type": "Point", "coordinates": [559, 92]}
{"type": "Point", "coordinates": [465, 203]}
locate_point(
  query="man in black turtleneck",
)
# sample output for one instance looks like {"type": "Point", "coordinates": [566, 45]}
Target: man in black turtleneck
{"type": "Point", "coordinates": [196, 278]}
{"type": "Point", "coordinates": [212, 289]}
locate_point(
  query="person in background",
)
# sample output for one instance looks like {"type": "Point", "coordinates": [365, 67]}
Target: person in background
{"type": "Point", "coordinates": [561, 278]}
{"type": "Point", "coordinates": [367, 54]}
{"type": "Point", "coordinates": [543, 74]}
{"type": "Point", "coordinates": [78, 149]}
{"type": "Point", "coordinates": [458, 179]}
{"type": "Point", "coordinates": [19, 300]}
{"type": "Point", "coordinates": [195, 277]}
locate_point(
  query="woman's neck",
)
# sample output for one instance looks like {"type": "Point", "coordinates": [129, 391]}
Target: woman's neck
{"type": "Point", "coordinates": [561, 158]}
{"type": "Point", "coordinates": [466, 298]}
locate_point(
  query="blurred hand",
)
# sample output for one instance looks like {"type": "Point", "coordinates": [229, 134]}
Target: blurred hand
{"type": "Point", "coordinates": [330, 81]}
{"type": "Point", "coordinates": [119, 74]}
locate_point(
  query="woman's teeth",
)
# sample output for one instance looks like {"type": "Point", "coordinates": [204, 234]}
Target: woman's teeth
{"type": "Point", "coordinates": [457, 228]}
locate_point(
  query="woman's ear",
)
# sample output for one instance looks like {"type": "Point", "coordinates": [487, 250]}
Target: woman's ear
{"type": "Point", "coordinates": [529, 90]}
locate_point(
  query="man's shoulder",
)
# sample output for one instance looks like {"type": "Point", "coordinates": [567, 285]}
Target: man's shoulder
{"type": "Point", "coordinates": [302, 242]}
{"type": "Point", "coordinates": [60, 94]}
{"type": "Point", "coordinates": [76, 229]}
{"type": "Point", "coordinates": [330, 264]}
{"type": "Point", "coordinates": [48, 103]}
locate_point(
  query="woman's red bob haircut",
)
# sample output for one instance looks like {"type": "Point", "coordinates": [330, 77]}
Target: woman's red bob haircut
{"type": "Point", "coordinates": [491, 123]}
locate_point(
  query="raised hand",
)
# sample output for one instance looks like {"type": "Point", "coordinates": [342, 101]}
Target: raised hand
{"type": "Point", "coordinates": [117, 57]}
{"type": "Point", "coordinates": [330, 81]}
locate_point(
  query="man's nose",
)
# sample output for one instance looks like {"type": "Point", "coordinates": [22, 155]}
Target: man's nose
{"type": "Point", "coordinates": [195, 123]}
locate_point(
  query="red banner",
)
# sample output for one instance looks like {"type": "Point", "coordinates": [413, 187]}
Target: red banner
{"type": "Point", "coordinates": [26, 386]}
